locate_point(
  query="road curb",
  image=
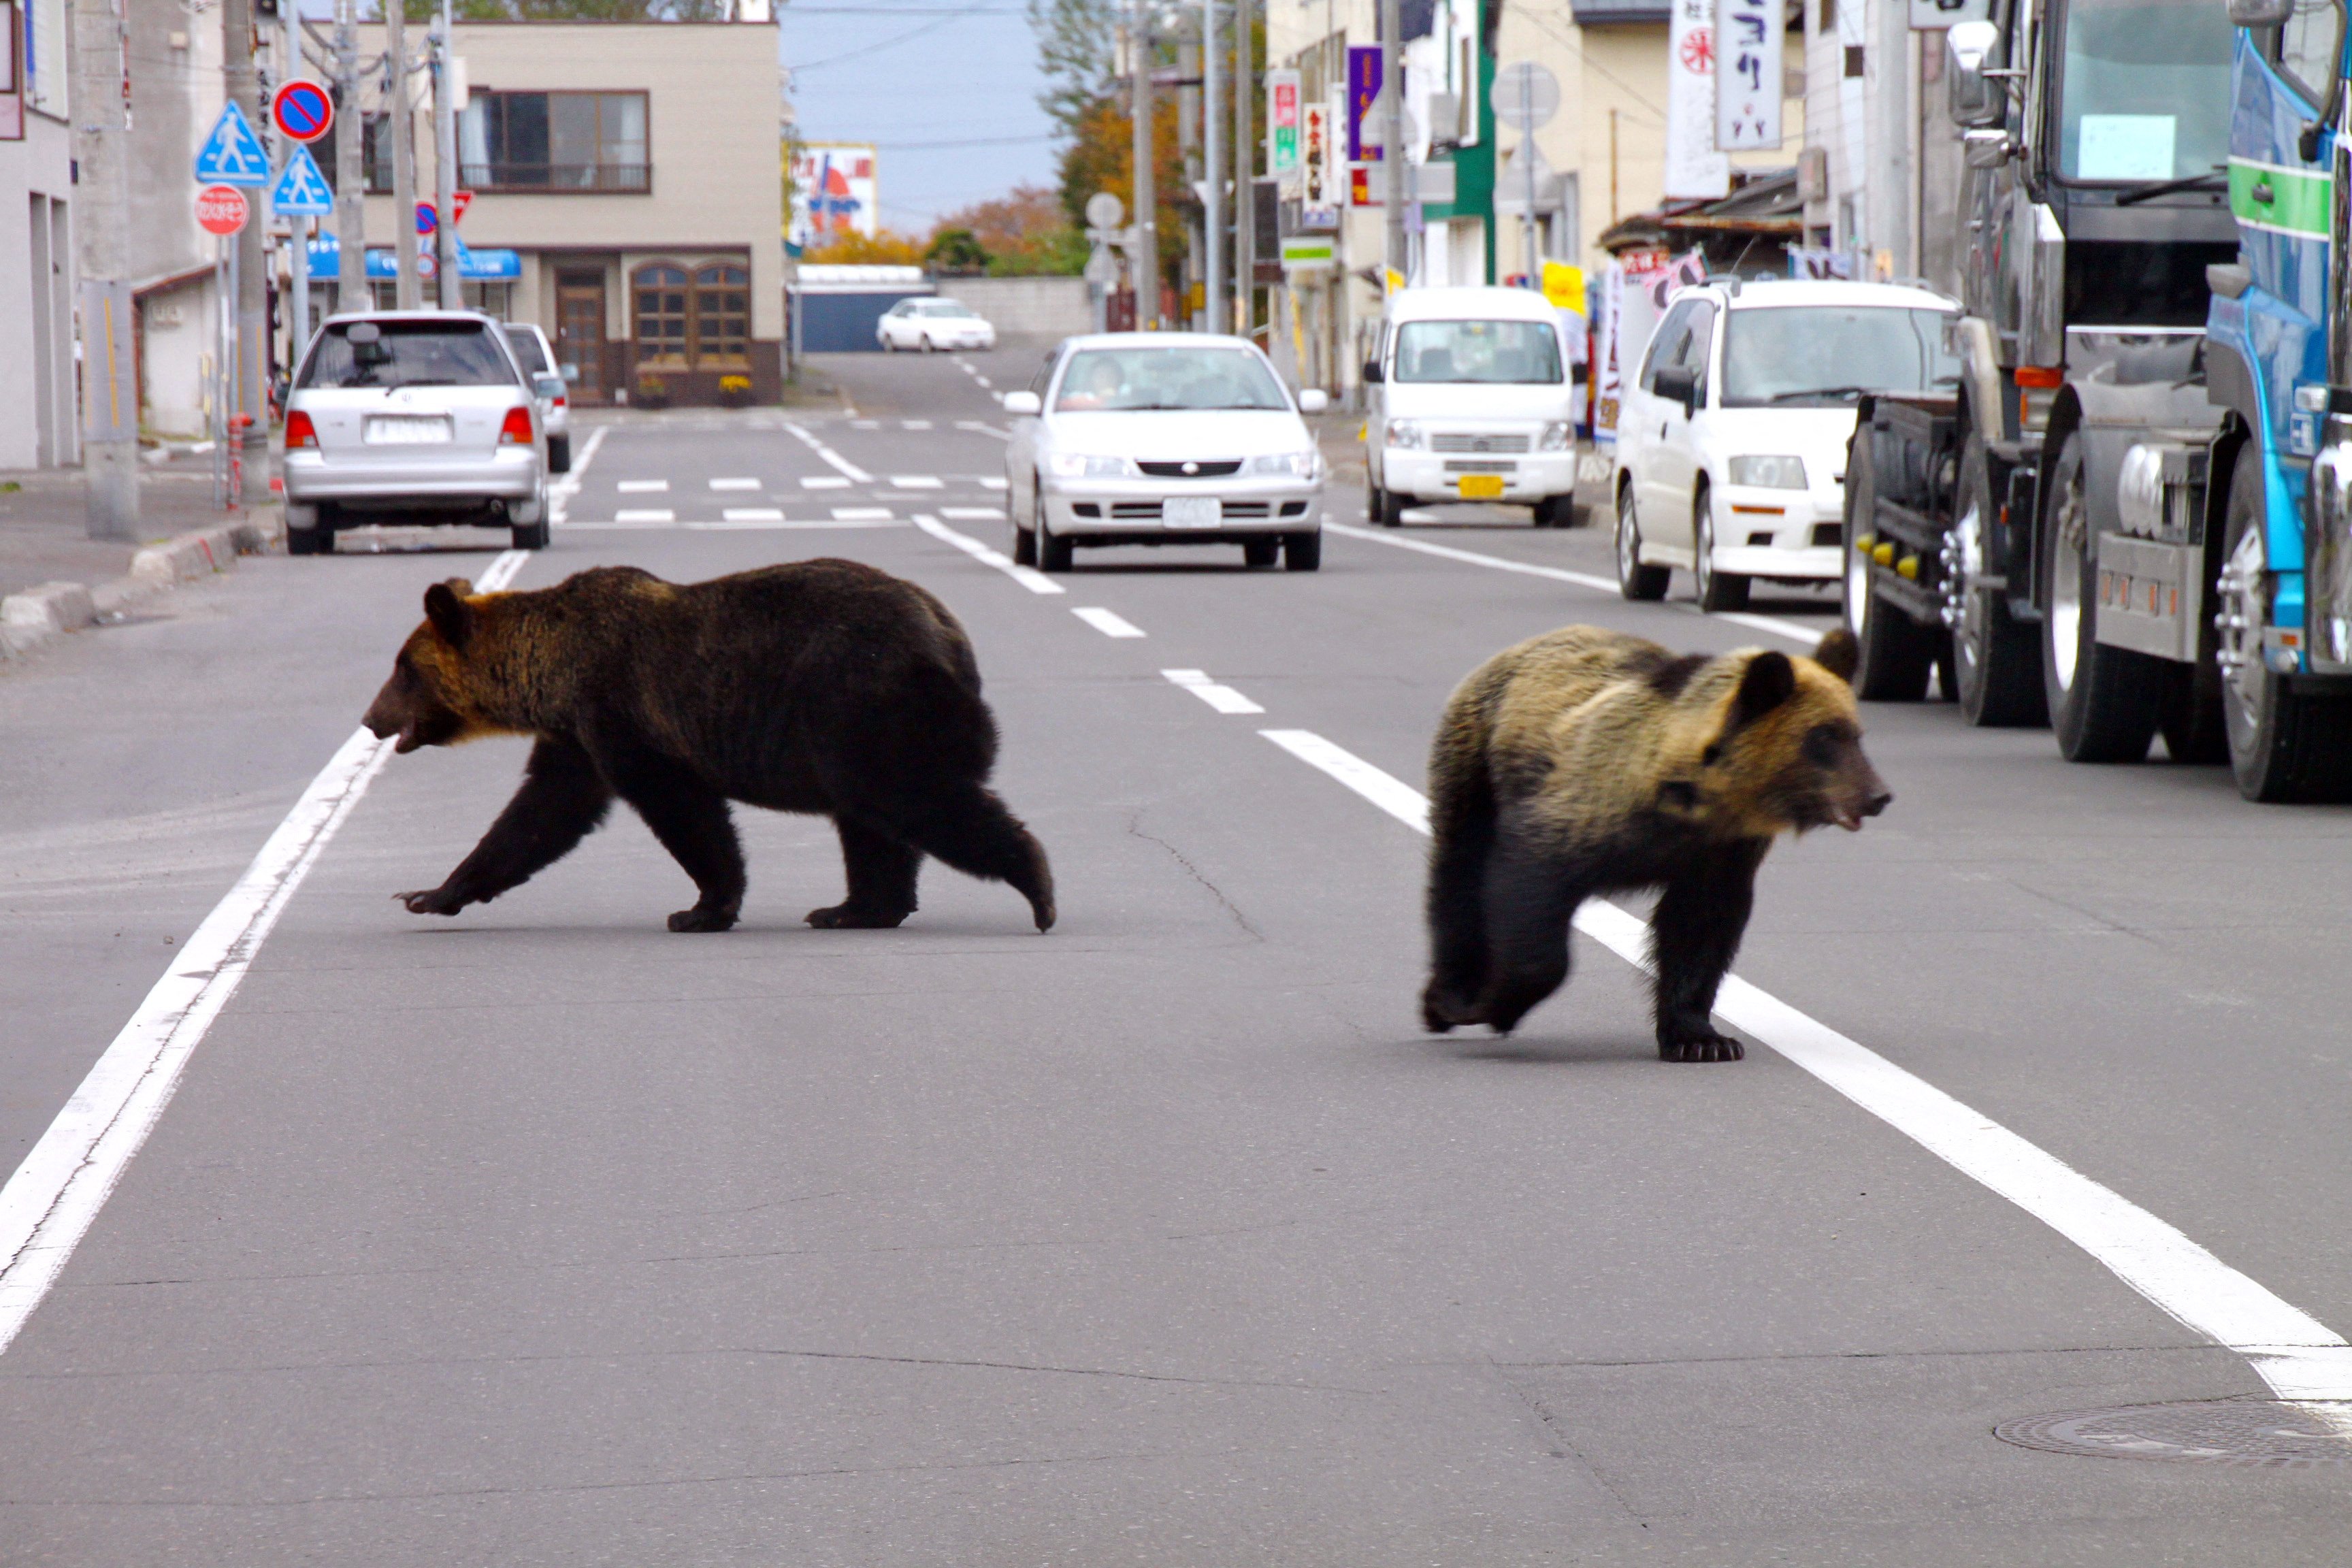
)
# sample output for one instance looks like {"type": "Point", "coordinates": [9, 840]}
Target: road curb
{"type": "Point", "coordinates": [42, 614]}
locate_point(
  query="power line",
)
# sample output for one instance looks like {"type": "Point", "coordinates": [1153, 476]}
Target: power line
{"type": "Point", "coordinates": [943, 18]}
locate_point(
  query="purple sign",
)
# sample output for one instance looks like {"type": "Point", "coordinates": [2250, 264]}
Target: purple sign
{"type": "Point", "coordinates": [1363, 86]}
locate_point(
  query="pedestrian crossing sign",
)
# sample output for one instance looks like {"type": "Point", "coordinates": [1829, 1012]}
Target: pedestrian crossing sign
{"type": "Point", "coordinates": [232, 155]}
{"type": "Point", "coordinates": [302, 191]}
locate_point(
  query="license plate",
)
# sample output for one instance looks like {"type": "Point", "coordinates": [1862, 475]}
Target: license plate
{"type": "Point", "coordinates": [1480, 487]}
{"type": "Point", "coordinates": [1193, 512]}
{"type": "Point", "coordinates": [408, 431]}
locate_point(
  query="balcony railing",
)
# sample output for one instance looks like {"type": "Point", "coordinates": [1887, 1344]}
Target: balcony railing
{"type": "Point", "coordinates": [622, 179]}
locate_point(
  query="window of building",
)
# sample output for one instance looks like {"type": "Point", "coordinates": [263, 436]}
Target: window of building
{"type": "Point", "coordinates": [692, 317]}
{"type": "Point", "coordinates": [722, 314]}
{"type": "Point", "coordinates": [664, 302]}
{"type": "Point", "coordinates": [554, 141]}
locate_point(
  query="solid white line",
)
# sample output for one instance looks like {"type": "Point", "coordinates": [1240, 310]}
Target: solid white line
{"type": "Point", "coordinates": [752, 513]}
{"type": "Point", "coordinates": [560, 493]}
{"type": "Point", "coordinates": [734, 484]}
{"type": "Point", "coordinates": [838, 463]}
{"type": "Point", "coordinates": [645, 514]}
{"type": "Point", "coordinates": [1223, 699]}
{"type": "Point", "coordinates": [1110, 623]}
{"type": "Point", "coordinates": [823, 482]}
{"type": "Point", "coordinates": [2301, 1358]}
{"type": "Point", "coordinates": [642, 486]}
{"type": "Point", "coordinates": [1028, 577]}
{"type": "Point", "coordinates": [503, 571]}
{"type": "Point", "coordinates": [1795, 631]}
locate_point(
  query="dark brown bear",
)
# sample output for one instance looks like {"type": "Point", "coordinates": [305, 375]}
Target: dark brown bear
{"type": "Point", "coordinates": [1587, 762]}
{"type": "Point", "coordinates": [823, 687]}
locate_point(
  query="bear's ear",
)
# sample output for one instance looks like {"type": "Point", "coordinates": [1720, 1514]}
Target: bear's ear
{"type": "Point", "coordinates": [1839, 654]}
{"type": "Point", "coordinates": [450, 616]}
{"type": "Point", "coordinates": [1768, 680]}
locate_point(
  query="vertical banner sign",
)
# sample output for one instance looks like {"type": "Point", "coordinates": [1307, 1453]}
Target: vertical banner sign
{"type": "Point", "coordinates": [1319, 193]}
{"type": "Point", "coordinates": [1694, 167]}
{"type": "Point", "coordinates": [1363, 86]}
{"type": "Point", "coordinates": [1747, 35]}
{"type": "Point", "coordinates": [1281, 122]}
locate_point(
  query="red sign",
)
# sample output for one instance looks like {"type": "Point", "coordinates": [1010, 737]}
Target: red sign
{"type": "Point", "coordinates": [458, 202]}
{"type": "Point", "coordinates": [302, 110]}
{"type": "Point", "coordinates": [221, 210]}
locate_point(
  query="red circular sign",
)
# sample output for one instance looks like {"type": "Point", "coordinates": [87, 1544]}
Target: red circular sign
{"type": "Point", "coordinates": [221, 210]}
{"type": "Point", "coordinates": [302, 110]}
{"type": "Point", "coordinates": [1699, 50]}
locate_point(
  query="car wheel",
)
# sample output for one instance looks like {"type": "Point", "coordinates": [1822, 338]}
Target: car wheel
{"type": "Point", "coordinates": [2103, 702]}
{"type": "Point", "coordinates": [1053, 550]}
{"type": "Point", "coordinates": [319, 539]}
{"type": "Point", "coordinates": [559, 454]}
{"type": "Point", "coordinates": [1024, 539]}
{"type": "Point", "coordinates": [1392, 513]}
{"type": "Point", "coordinates": [1635, 580]}
{"type": "Point", "coordinates": [1260, 551]}
{"type": "Point", "coordinates": [530, 535]}
{"type": "Point", "coordinates": [1303, 552]}
{"type": "Point", "coordinates": [1716, 590]}
{"type": "Point", "coordinates": [1556, 512]}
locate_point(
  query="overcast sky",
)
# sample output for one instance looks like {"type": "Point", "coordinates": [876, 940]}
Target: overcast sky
{"type": "Point", "coordinates": [949, 91]}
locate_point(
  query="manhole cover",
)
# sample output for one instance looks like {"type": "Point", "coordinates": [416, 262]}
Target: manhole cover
{"type": "Point", "coordinates": [2210, 1432]}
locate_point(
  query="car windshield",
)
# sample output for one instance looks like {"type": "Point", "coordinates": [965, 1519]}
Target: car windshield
{"type": "Point", "coordinates": [1818, 356]}
{"type": "Point", "coordinates": [408, 354]}
{"type": "Point", "coordinates": [1497, 352]}
{"type": "Point", "coordinates": [2145, 90]}
{"type": "Point", "coordinates": [948, 309]}
{"type": "Point", "coordinates": [525, 343]}
{"type": "Point", "coordinates": [1111, 380]}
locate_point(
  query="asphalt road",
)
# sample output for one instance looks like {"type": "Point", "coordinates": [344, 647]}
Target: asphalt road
{"type": "Point", "coordinates": [543, 1236]}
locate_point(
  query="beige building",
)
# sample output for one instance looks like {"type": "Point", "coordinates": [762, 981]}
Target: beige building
{"type": "Point", "coordinates": [626, 197]}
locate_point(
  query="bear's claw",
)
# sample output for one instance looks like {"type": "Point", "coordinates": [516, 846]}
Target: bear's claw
{"type": "Point", "coordinates": [1707, 1047]}
{"type": "Point", "coordinates": [700, 918]}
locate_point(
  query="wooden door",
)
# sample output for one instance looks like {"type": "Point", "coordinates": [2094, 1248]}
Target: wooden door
{"type": "Point", "coordinates": [580, 330]}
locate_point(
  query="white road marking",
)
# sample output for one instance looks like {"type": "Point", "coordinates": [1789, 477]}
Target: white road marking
{"type": "Point", "coordinates": [1036, 581]}
{"type": "Point", "coordinates": [914, 423]}
{"type": "Point", "coordinates": [734, 484]}
{"type": "Point", "coordinates": [865, 424]}
{"type": "Point", "coordinates": [645, 514]}
{"type": "Point", "coordinates": [1793, 630]}
{"type": "Point", "coordinates": [2301, 1358]}
{"type": "Point", "coordinates": [979, 428]}
{"type": "Point", "coordinates": [823, 482]}
{"type": "Point", "coordinates": [917, 481]}
{"type": "Point", "coordinates": [984, 381]}
{"type": "Point", "coordinates": [769, 526]}
{"type": "Point", "coordinates": [991, 481]}
{"type": "Point", "coordinates": [55, 1196]}
{"type": "Point", "coordinates": [1223, 699]}
{"type": "Point", "coordinates": [973, 513]}
{"type": "Point", "coordinates": [560, 493]}
{"type": "Point", "coordinates": [834, 459]}
{"type": "Point", "coordinates": [642, 486]}
{"type": "Point", "coordinates": [860, 513]}
{"type": "Point", "coordinates": [752, 513]}
{"type": "Point", "coordinates": [1109, 622]}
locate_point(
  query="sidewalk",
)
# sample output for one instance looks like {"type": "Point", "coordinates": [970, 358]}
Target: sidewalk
{"type": "Point", "coordinates": [44, 532]}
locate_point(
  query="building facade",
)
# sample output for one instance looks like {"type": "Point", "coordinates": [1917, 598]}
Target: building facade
{"type": "Point", "coordinates": [40, 414]}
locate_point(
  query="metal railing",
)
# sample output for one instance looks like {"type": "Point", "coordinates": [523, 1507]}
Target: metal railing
{"type": "Point", "coordinates": [626, 179]}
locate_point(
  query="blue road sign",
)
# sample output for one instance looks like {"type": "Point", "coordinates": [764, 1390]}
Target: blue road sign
{"type": "Point", "coordinates": [302, 191]}
{"type": "Point", "coordinates": [232, 155]}
{"type": "Point", "coordinates": [303, 110]}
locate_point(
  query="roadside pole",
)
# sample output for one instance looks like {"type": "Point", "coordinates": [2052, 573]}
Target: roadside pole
{"type": "Point", "coordinates": [445, 162]}
{"type": "Point", "coordinates": [298, 313]}
{"type": "Point", "coordinates": [101, 221]}
{"type": "Point", "coordinates": [351, 197]}
{"type": "Point", "coordinates": [1244, 174]}
{"type": "Point", "coordinates": [408, 293]}
{"type": "Point", "coordinates": [1391, 136]}
{"type": "Point", "coordinates": [1214, 316]}
{"type": "Point", "coordinates": [248, 275]}
{"type": "Point", "coordinates": [1143, 262]}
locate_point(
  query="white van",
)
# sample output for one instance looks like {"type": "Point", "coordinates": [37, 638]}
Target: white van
{"type": "Point", "coordinates": [1470, 398]}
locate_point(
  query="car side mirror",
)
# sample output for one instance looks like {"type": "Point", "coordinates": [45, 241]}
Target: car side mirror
{"type": "Point", "coordinates": [571, 372]}
{"type": "Point", "coordinates": [1679, 383]}
{"type": "Point", "coordinates": [1019, 404]}
{"type": "Point", "coordinates": [1976, 97]}
{"type": "Point", "coordinates": [1371, 370]}
{"type": "Point", "coordinates": [548, 386]}
{"type": "Point", "coordinates": [1313, 401]}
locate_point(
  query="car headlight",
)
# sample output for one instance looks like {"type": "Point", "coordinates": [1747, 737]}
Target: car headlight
{"type": "Point", "coordinates": [1077, 465]}
{"type": "Point", "coordinates": [1404, 433]}
{"type": "Point", "coordinates": [1770, 473]}
{"type": "Point", "coordinates": [1307, 465]}
{"type": "Point", "coordinates": [1556, 436]}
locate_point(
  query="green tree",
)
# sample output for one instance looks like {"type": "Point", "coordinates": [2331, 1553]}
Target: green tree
{"type": "Point", "coordinates": [957, 250]}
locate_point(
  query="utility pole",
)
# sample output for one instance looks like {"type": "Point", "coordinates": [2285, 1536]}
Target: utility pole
{"type": "Point", "coordinates": [297, 316]}
{"type": "Point", "coordinates": [351, 141]}
{"type": "Point", "coordinates": [249, 403]}
{"type": "Point", "coordinates": [445, 161]}
{"type": "Point", "coordinates": [101, 221]}
{"type": "Point", "coordinates": [1143, 262]}
{"type": "Point", "coordinates": [1391, 133]}
{"type": "Point", "coordinates": [408, 294]}
{"type": "Point", "coordinates": [1245, 172]}
{"type": "Point", "coordinates": [1213, 217]}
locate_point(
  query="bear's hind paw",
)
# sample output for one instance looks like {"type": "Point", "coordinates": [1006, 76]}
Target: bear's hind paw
{"type": "Point", "coordinates": [1707, 1047]}
{"type": "Point", "coordinates": [700, 918]}
{"type": "Point", "coordinates": [430, 901]}
{"type": "Point", "coordinates": [854, 917]}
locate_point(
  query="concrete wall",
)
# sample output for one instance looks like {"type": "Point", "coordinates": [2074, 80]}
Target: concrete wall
{"type": "Point", "coordinates": [39, 416]}
{"type": "Point", "coordinates": [1025, 307]}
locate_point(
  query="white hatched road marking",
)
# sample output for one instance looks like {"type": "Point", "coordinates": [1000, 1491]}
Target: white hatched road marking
{"type": "Point", "coordinates": [645, 514]}
{"type": "Point", "coordinates": [642, 486]}
{"type": "Point", "coordinates": [860, 513]}
{"type": "Point", "coordinates": [2301, 1358]}
{"type": "Point", "coordinates": [734, 484]}
{"type": "Point", "coordinates": [839, 464]}
{"type": "Point", "coordinates": [823, 482]}
{"type": "Point", "coordinates": [1029, 577]}
{"type": "Point", "coordinates": [49, 1205]}
{"type": "Point", "coordinates": [991, 481]}
{"type": "Point", "coordinates": [1223, 699]}
{"type": "Point", "coordinates": [752, 513]}
{"type": "Point", "coordinates": [973, 513]}
{"type": "Point", "coordinates": [917, 481]}
{"type": "Point", "coordinates": [1110, 623]}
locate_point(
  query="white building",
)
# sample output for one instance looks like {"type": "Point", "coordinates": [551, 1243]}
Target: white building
{"type": "Point", "coordinates": [40, 419]}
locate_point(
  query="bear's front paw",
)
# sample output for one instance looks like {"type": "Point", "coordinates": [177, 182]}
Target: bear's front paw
{"type": "Point", "coordinates": [700, 918]}
{"type": "Point", "coordinates": [855, 917]}
{"type": "Point", "coordinates": [431, 902]}
{"type": "Point", "coordinates": [1442, 1009]}
{"type": "Point", "coordinates": [1709, 1047]}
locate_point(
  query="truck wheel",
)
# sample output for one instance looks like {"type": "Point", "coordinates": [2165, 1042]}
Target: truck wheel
{"type": "Point", "coordinates": [1896, 652]}
{"type": "Point", "coordinates": [2103, 702]}
{"type": "Point", "coordinates": [1716, 590]}
{"type": "Point", "coordinates": [1634, 580]}
{"type": "Point", "coordinates": [2282, 746]}
{"type": "Point", "coordinates": [1996, 658]}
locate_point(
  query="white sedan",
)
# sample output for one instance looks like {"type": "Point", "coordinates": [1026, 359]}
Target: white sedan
{"type": "Point", "coordinates": [1163, 438]}
{"type": "Point", "coordinates": [930, 324]}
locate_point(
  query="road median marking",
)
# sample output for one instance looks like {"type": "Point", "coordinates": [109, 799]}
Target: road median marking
{"type": "Point", "coordinates": [55, 1196]}
{"type": "Point", "coordinates": [1223, 699]}
{"type": "Point", "coordinates": [1036, 581]}
{"type": "Point", "coordinates": [2301, 1359]}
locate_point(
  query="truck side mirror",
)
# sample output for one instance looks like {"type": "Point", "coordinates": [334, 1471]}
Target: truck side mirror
{"type": "Point", "coordinates": [2260, 13]}
{"type": "Point", "coordinates": [1984, 149]}
{"type": "Point", "coordinates": [1977, 97]}
{"type": "Point", "coordinates": [1371, 370]}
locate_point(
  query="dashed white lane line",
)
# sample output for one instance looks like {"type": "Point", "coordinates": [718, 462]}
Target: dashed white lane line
{"type": "Point", "coordinates": [1110, 623]}
{"type": "Point", "coordinates": [839, 464]}
{"type": "Point", "coordinates": [560, 493]}
{"type": "Point", "coordinates": [865, 424]}
{"type": "Point", "coordinates": [2301, 1358]}
{"type": "Point", "coordinates": [1223, 699]}
{"type": "Point", "coordinates": [645, 514]}
{"type": "Point", "coordinates": [973, 513]}
{"type": "Point", "coordinates": [991, 481]}
{"type": "Point", "coordinates": [1029, 577]}
{"type": "Point", "coordinates": [734, 484]}
{"type": "Point", "coordinates": [918, 481]}
{"type": "Point", "coordinates": [823, 482]}
{"type": "Point", "coordinates": [860, 513]}
{"type": "Point", "coordinates": [1794, 630]}
{"type": "Point", "coordinates": [752, 513]}
{"type": "Point", "coordinates": [55, 1196]}
{"type": "Point", "coordinates": [914, 423]}
{"type": "Point", "coordinates": [642, 486]}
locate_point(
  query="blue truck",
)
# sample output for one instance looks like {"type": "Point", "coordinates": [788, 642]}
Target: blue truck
{"type": "Point", "coordinates": [2128, 518]}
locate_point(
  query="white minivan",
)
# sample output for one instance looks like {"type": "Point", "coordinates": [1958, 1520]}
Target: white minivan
{"type": "Point", "coordinates": [1471, 398]}
{"type": "Point", "coordinates": [1731, 437]}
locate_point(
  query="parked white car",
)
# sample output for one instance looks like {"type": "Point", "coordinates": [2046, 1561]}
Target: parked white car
{"type": "Point", "coordinates": [537, 357]}
{"type": "Point", "coordinates": [1731, 437]}
{"type": "Point", "coordinates": [930, 324]}
{"type": "Point", "coordinates": [1470, 399]}
{"type": "Point", "coordinates": [1163, 438]}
